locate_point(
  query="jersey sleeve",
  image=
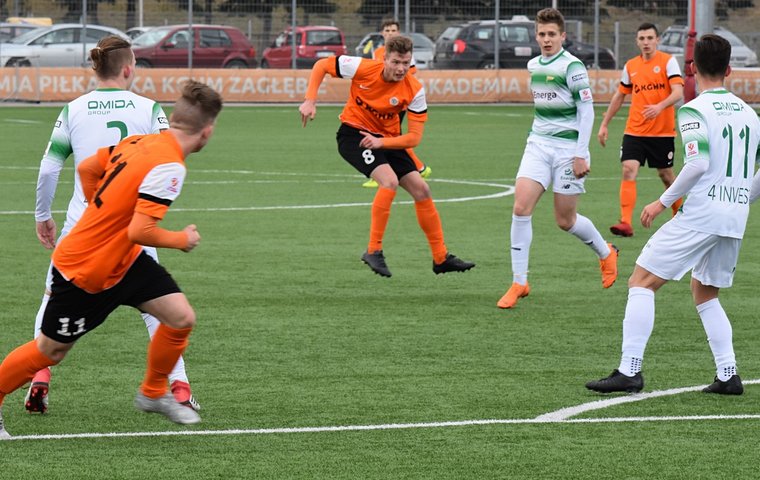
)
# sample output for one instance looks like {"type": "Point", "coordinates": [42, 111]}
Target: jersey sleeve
{"type": "Point", "coordinates": [674, 72]}
{"type": "Point", "coordinates": [59, 146]}
{"type": "Point", "coordinates": [418, 106]}
{"type": "Point", "coordinates": [347, 67]}
{"type": "Point", "coordinates": [578, 82]}
{"type": "Point", "coordinates": [57, 151]}
{"type": "Point", "coordinates": [160, 187]}
{"type": "Point", "coordinates": [159, 120]}
{"type": "Point", "coordinates": [694, 134]}
{"type": "Point", "coordinates": [626, 86]}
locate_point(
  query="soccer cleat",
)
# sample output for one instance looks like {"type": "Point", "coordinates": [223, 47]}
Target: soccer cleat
{"type": "Point", "coordinates": [732, 386]}
{"type": "Point", "coordinates": [452, 264]}
{"type": "Point", "coordinates": [183, 395]}
{"type": "Point", "coordinates": [168, 407]}
{"type": "Point", "coordinates": [608, 266]}
{"type": "Point", "coordinates": [36, 400]}
{"type": "Point", "coordinates": [515, 293]}
{"type": "Point", "coordinates": [622, 229]}
{"type": "Point", "coordinates": [617, 382]}
{"type": "Point", "coordinates": [426, 172]}
{"type": "Point", "coordinates": [4, 435]}
{"type": "Point", "coordinates": [371, 183]}
{"type": "Point", "coordinates": [376, 261]}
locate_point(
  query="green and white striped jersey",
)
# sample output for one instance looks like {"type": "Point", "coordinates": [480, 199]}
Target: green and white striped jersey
{"type": "Point", "coordinates": [719, 127]}
{"type": "Point", "coordinates": [559, 84]}
{"type": "Point", "coordinates": [97, 119]}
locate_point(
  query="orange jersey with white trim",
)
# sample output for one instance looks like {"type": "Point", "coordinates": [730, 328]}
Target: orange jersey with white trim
{"type": "Point", "coordinates": [374, 104]}
{"type": "Point", "coordinates": [649, 82]}
{"type": "Point", "coordinates": [143, 173]}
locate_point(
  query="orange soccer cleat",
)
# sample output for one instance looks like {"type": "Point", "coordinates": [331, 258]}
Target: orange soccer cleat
{"type": "Point", "coordinates": [608, 266]}
{"type": "Point", "coordinates": [515, 293]}
{"type": "Point", "coordinates": [622, 229]}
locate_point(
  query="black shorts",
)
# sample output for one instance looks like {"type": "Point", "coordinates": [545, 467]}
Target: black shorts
{"type": "Point", "coordinates": [366, 160]}
{"type": "Point", "coordinates": [72, 312]}
{"type": "Point", "coordinates": [657, 152]}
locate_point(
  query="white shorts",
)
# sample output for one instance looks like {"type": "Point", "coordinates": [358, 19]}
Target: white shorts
{"type": "Point", "coordinates": [551, 164]}
{"type": "Point", "coordinates": [673, 250]}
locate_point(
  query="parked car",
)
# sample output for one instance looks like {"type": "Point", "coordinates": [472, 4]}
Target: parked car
{"type": "Point", "coordinates": [471, 45]}
{"type": "Point", "coordinates": [312, 43]}
{"type": "Point", "coordinates": [214, 46]}
{"type": "Point", "coordinates": [673, 40]}
{"type": "Point", "coordinates": [59, 45]}
{"type": "Point", "coordinates": [9, 31]}
{"type": "Point", "coordinates": [135, 32]}
{"type": "Point", "coordinates": [424, 48]}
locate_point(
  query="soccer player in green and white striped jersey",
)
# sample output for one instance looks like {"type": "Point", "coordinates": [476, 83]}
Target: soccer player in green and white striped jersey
{"type": "Point", "coordinates": [556, 153]}
{"type": "Point", "coordinates": [97, 119]}
{"type": "Point", "coordinates": [720, 135]}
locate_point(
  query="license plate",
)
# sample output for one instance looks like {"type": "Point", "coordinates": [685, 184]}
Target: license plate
{"type": "Point", "coordinates": [324, 53]}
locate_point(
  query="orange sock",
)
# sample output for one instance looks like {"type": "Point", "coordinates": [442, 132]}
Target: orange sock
{"type": "Point", "coordinates": [20, 366]}
{"type": "Point", "coordinates": [677, 205]}
{"type": "Point", "coordinates": [627, 200]}
{"type": "Point", "coordinates": [163, 352]}
{"type": "Point", "coordinates": [417, 162]}
{"type": "Point", "coordinates": [430, 222]}
{"type": "Point", "coordinates": [381, 212]}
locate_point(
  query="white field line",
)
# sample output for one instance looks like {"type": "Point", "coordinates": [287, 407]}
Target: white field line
{"type": "Point", "coordinates": [559, 416]}
{"type": "Point", "coordinates": [506, 190]}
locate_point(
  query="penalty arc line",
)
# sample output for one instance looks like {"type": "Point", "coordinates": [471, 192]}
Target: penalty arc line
{"type": "Point", "coordinates": [560, 416]}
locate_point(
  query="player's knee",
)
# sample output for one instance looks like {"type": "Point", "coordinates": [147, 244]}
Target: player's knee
{"type": "Point", "coordinates": [391, 183]}
{"type": "Point", "coordinates": [185, 318]}
{"type": "Point", "coordinates": [565, 224]}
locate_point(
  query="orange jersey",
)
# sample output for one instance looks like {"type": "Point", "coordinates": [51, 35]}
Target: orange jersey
{"type": "Point", "coordinates": [649, 82]}
{"type": "Point", "coordinates": [374, 104]}
{"type": "Point", "coordinates": [144, 174]}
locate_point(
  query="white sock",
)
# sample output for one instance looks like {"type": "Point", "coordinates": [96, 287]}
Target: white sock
{"type": "Point", "coordinates": [40, 314]}
{"type": "Point", "coordinates": [637, 327]}
{"type": "Point", "coordinates": [521, 236]}
{"type": "Point", "coordinates": [719, 335]}
{"type": "Point", "coordinates": [178, 372]}
{"type": "Point", "coordinates": [587, 233]}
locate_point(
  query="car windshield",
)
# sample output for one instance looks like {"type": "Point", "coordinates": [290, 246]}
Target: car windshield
{"type": "Point", "coordinates": [421, 41]}
{"type": "Point", "coordinates": [151, 37]}
{"type": "Point", "coordinates": [25, 38]}
{"type": "Point", "coordinates": [732, 39]}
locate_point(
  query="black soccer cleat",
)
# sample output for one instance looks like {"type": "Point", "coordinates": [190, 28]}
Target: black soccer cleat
{"type": "Point", "coordinates": [732, 386]}
{"type": "Point", "coordinates": [376, 261]}
{"type": "Point", "coordinates": [617, 382]}
{"type": "Point", "coordinates": [452, 264]}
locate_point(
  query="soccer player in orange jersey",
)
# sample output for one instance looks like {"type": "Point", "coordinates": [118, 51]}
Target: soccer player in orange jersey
{"type": "Point", "coordinates": [654, 81]}
{"type": "Point", "coordinates": [101, 263]}
{"type": "Point", "coordinates": [389, 29]}
{"type": "Point", "coordinates": [370, 139]}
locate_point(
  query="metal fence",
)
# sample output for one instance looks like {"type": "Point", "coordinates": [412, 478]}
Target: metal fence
{"type": "Point", "coordinates": [263, 19]}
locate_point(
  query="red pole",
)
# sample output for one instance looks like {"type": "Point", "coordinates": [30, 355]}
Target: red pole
{"type": "Point", "coordinates": [690, 83]}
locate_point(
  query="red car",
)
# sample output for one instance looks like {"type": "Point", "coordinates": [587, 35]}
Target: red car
{"type": "Point", "coordinates": [215, 46]}
{"type": "Point", "coordinates": [312, 43]}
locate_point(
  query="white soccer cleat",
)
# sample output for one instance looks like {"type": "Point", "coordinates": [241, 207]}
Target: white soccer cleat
{"type": "Point", "coordinates": [168, 407]}
{"type": "Point", "coordinates": [4, 435]}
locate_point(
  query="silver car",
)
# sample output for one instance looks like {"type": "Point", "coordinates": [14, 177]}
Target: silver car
{"type": "Point", "coordinates": [59, 45]}
{"type": "Point", "coordinates": [673, 40]}
{"type": "Point", "coordinates": [424, 48]}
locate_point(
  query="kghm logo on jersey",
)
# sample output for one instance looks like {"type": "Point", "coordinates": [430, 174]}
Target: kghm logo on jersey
{"type": "Point", "coordinates": [648, 87]}
{"type": "Point", "coordinates": [373, 110]}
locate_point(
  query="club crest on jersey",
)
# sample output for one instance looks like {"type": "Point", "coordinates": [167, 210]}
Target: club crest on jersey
{"type": "Point", "coordinates": [393, 101]}
{"type": "Point", "coordinates": [585, 95]}
{"type": "Point", "coordinates": [692, 149]}
{"type": "Point", "coordinates": [657, 69]}
{"type": "Point", "coordinates": [173, 185]}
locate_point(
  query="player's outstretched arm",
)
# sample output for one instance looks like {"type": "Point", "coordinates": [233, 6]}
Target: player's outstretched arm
{"type": "Point", "coordinates": [144, 230]}
{"type": "Point", "coordinates": [308, 108]}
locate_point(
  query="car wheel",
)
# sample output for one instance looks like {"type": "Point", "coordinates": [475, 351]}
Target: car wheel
{"type": "Point", "coordinates": [236, 64]}
{"type": "Point", "coordinates": [487, 65]}
{"type": "Point", "coordinates": [264, 64]}
{"type": "Point", "coordinates": [18, 62]}
{"type": "Point", "coordinates": [141, 63]}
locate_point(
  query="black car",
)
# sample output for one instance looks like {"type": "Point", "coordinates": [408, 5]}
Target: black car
{"type": "Point", "coordinates": [471, 45]}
